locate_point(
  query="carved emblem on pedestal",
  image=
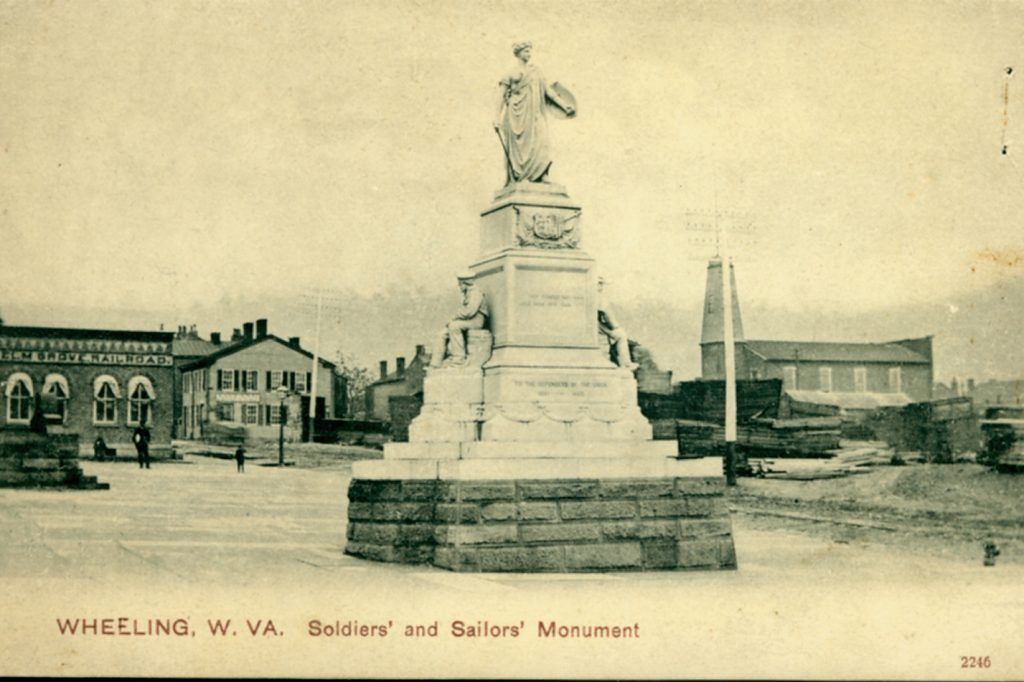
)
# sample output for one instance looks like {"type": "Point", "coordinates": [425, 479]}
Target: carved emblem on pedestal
{"type": "Point", "coordinates": [547, 230]}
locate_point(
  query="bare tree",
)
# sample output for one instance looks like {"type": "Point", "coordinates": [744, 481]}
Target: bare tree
{"type": "Point", "coordinates": [356, 380]}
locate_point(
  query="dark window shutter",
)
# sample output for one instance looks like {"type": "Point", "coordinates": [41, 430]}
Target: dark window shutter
{"type": "Point", "coordinates": [309, 381]}
{"type": "Point", "coordinates": [291, 381]}
{"type": "Point", "coordinates": [237, 382]}
{"type": "Point", "coordinates": [268, 387]}
{"type": "Point", "coordinates": [220, 379]}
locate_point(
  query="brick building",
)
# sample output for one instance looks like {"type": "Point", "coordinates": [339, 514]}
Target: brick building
{"type": "Point", "coordinates": [405, 381]}
{"type": "Point", "coordinates": [851, 375]}
{"type": "Point", "coordinates": [98, 383]}
{"type": "Point", "coordinates": [187, 348]}
{"type": "Point", "coordinates": [237, 386]}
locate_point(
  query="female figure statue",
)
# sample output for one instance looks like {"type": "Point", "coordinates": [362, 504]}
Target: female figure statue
{"type": "Point", "coordinates": [521, 122]}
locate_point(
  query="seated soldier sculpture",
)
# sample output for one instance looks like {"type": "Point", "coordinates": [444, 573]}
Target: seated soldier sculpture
{"type": "Point", "coordinates": [472, 314]}
{"type": "Point", "coordinates": [610, 327]}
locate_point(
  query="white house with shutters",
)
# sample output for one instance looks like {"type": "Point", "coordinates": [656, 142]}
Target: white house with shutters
{"type": "Point", "coordinates": [241, 386]}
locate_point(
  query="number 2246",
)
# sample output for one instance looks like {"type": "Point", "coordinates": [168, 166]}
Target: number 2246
{"type": "Point", "coordinates": [975, 661]}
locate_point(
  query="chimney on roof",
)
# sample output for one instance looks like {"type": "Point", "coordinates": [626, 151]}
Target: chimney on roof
{"type": "Point", "coordinates": [400, 366]}
{"type": "Point", "coordinates": [193, 332]}
{"type": "Point", "coordinates": [261, 328]}
{"type": "Point", "coordinates": [421, 350]}
{"type": "Point", "coordinates": [236, 334]}
{"type": "Point", "coordinates": [247, 331]}
{"type": "Point", "coordinates": [293, 341]}
{"type": "Point", "coordinates": [215, 338]}
{"type": "Point", "coordinates": [383, 368]}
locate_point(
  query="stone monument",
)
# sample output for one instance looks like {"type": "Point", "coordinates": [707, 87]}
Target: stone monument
{"type": "Point", "coordinates": [530, 452]}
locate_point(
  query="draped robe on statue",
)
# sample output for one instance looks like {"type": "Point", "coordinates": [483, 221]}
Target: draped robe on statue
{"type": "Point", "coordinates": [523, 126]}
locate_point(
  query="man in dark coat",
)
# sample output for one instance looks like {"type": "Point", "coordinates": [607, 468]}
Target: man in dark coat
{"type": "Point", "coordinates": [141, 438]}
{"type": "Point", "coordinates": [240, 459]}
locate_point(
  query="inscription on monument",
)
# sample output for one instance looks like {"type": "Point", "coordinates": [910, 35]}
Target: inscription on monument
{"type": "Point", "coordinates": [563, 388]}
{"type": "Point", "coordinates": [551, 302]}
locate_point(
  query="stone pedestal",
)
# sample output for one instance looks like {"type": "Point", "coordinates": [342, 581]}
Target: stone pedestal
{"type": "Point", "coordinates": [535, 456]}
{"type": "Point", "coordinates": [34, 460]}
{"type": "Point", "coordinates": [548, 377]}
{"type": "Point", "coordinates": [566, 515]}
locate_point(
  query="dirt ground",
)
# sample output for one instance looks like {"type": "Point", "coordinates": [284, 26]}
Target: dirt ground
{"type": "Point", "coordinates": [300, 455]}
{"type": "Point", "coordinates": [195, 540]}
{"type": "Point", "coordinates": [946, 509]}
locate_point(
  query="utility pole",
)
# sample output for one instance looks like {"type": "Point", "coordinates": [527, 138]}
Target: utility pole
{"type": "Point", "coordinates": [730, 362]}
{"type": "Point", "coordinates": [334, 303]}
{"type": "Point", "coordinates": [699, 222]}
{"type": "Point", "coordinates": [316, 364]}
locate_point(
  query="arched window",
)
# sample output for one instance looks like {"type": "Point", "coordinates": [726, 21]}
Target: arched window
{"type": "Point", "coordinates": [105, 394]}
{"type": "Point", "coordinates": [56, 386]}
{"type": "Point", "coordinates": [19, 398]}
{"type": "Point", "coordinates": [140, 398]}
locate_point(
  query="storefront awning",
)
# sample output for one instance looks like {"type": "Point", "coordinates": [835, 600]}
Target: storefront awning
{"type": "Point", "coordinates": [102, 379]}
{"type": "Point", "coordinates": [16, 378]}
{"type": "Point", "coordinates": [56, 380]}
{"type": "Point", "coordinates": [140, 380]}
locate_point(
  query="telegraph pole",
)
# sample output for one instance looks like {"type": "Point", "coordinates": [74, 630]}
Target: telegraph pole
{"type": "Point", "coordinates": [730, 365]}
{"type": "Point", "coordinates": [699, 223]}
{"type": "Point", "coordinates": [316, 364]}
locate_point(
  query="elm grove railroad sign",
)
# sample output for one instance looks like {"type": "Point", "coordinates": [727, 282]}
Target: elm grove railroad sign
{"type": "Point", "coordinates": [85, 358]}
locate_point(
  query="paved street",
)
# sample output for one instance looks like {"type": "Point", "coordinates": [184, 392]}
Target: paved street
{"type": "Point", "coordinates": [198, 540]}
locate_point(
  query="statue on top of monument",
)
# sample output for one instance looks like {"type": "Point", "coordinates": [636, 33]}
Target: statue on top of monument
{"type": "Point", "coordinates": [521, 121]}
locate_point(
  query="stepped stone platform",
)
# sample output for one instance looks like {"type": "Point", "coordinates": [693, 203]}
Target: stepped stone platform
{"type": "Point", "coordinates": [464, 521]}
{"type": "Point", "coordinates": [34, 460]}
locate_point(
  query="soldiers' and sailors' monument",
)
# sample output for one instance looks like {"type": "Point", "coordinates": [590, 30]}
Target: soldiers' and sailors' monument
{"type": "Point", "coordinates": [531, 453]}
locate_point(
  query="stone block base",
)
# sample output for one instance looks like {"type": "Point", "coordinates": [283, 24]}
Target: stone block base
{"type": "Point", "coordinates": [32, 460]}
{"type": "Point", "coordinates": [543, 525]}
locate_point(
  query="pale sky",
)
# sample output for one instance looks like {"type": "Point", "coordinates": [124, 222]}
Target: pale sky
{"type": "Point", "coordinates": [169, 153]}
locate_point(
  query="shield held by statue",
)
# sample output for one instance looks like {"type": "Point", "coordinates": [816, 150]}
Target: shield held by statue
{"type": "Point", "coordinates": [565, 97]}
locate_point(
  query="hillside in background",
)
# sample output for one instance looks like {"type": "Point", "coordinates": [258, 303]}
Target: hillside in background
{"type": "Point", "coordinates": [976, 334]}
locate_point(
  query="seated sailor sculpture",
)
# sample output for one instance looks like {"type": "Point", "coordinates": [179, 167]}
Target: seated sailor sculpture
{"type": "Point", "coordinates": [610, 327]}
{"type": "Point", "coordinates": [450, 348]}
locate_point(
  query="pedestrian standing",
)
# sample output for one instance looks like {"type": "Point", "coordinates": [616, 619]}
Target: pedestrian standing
{"type": "Point", "coordinates": [141, 438]}
{"type": "Point", "coordinates": [240, 459]}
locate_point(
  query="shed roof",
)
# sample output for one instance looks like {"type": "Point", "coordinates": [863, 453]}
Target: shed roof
{"type": "Point", "coordinates": [191, 346]}
{"type": "Point", "coordinates": [850, 401]}
{"type": "Point", "coordinates": [75, 333]}
{"type": "Point", "coordinates": [233, 348]}
{"type": "Point", "coordinates": [823, 351]}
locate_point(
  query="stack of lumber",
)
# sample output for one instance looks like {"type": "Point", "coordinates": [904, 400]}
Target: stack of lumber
{"type": "Point", "coordinates": [846, 462]}
{"type": "Point", "coordinates": [810, 436]}
{"type": "Point", "coordinates": [807, 437]}
{"type": "Point", "coordinates": [1004, 440]}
